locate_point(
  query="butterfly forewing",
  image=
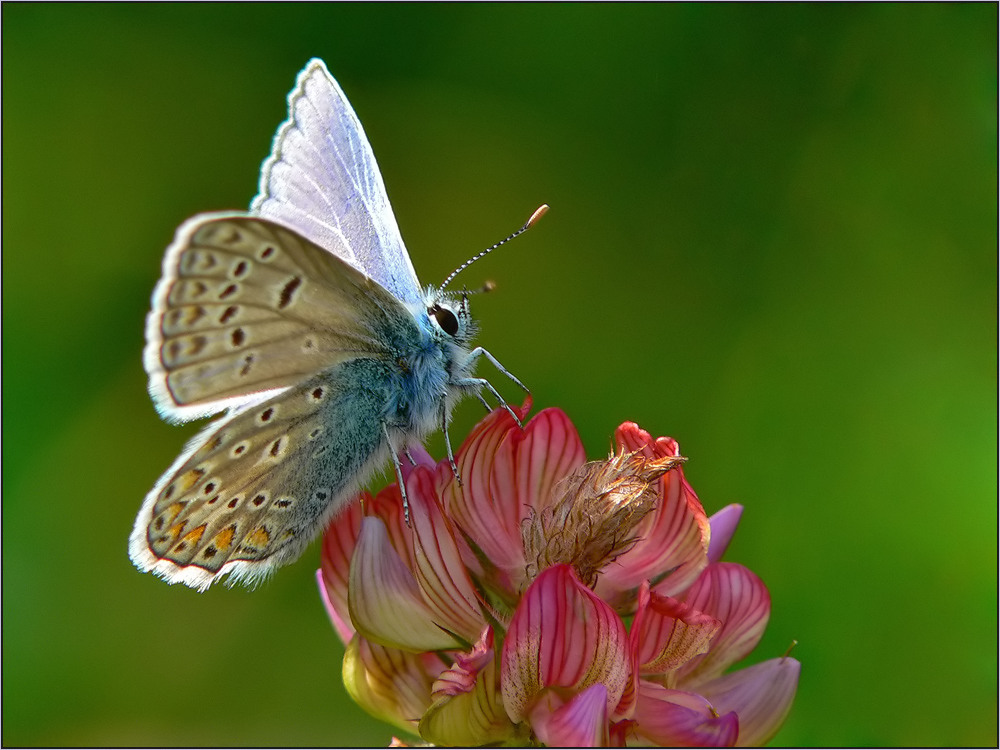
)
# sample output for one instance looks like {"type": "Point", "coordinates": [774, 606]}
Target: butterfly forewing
{"type": "Point", "coordinates": [322, 180]}
{"type": "Point", "coordinates": [246, 307]}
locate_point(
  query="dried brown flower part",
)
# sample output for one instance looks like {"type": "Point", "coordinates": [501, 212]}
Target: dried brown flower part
{"type": "Point", "coordinates": [598, 507]}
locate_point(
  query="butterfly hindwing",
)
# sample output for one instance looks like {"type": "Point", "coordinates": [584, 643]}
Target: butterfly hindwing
{"type": "Point", "coordinates": [254, 488]}
{"type": "Point", "coordinates": [246, 307]}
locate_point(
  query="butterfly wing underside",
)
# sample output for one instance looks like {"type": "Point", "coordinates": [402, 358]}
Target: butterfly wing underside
{"type": "Point", "coordinates": [252, 317]}
{"type": "Point", "coordinates": [322, 180]}
{"type": "Point", "coordinates": [245, 308]}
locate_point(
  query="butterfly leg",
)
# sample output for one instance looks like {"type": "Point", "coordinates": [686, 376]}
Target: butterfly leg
{"type": "Point", "coordinates": [399, 475]}
{"type": "Point", "coordinates": [478, 383]}
{"type": "Point", "coordinates": [447, 441]}
{"type": "Point", "coordinates": [480, 352]}
{"type": "Point", "coordinates": [483, 401]}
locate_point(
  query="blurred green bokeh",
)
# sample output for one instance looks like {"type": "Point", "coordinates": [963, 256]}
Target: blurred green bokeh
{"type": "Point", "coordinates": [773, 236]}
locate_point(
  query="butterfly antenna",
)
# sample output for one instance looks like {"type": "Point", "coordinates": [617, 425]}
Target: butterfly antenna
{"type": "Point", "coordinates": [488, 286]}
{"type": "Point", "coordinates": [539, 213]}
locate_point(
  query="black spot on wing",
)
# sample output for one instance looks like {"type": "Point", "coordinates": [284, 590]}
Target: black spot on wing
{"type": "Point", "coordinates": [288, 292]}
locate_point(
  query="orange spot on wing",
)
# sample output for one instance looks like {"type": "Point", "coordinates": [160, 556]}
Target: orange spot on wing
{"type": "Point", "coordinates": [258, 538]}
{"type": "Point", "coordinates": [174, 510]}
{"type": "Point", "coordinates": [224, 539]}
{"type": "Point", "coordinates": [189, 479]}
{"type": "Point", "coordinates": [175, 531]}
{"type": "Point", "coordinates": [194, 536]}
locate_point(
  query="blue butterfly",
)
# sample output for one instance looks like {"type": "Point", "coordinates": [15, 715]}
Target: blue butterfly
{"type": "Point", "coordinates": [304, 321]}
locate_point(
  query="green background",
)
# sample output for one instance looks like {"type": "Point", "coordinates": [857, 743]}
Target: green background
{"type": "Point", "coordinates": [773, 236]}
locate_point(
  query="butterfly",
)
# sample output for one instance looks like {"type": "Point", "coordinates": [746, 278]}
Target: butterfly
{"type": "Point", "coordinates": [304, 322]}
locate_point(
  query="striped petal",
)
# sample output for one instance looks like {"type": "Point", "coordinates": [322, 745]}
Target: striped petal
{"type": "Point", "coordinates": [391, 685]}
{"type": "Point", "coordinates": [467, 709]}
{"type": "Point", "coordinates": [667, 633]}
{"type": "Point", "coordinates": [385, 602]}
{"type": "Point", "coordinates": [387, 505]}
{"type": "Point", "coordinates": [674, 718]}
{"type": "Point", "coordinates": [506, 470]}
{"type": "Point", "coordinates": [444, 581]}
{"type": "Point", "coordinates": [739, 599]}
{"type": "Point", "coordinates": [335, 566]}
{"type": "Point", "coordinates": [494, 526]}
{"type": "Point", "coordinates": [337, 611]}
{"type": "Point", "coordinates": [562, 636]}
{"type": "Point", "coordinates": [673, 538]}
{"type": "Point", "coordinates": [761, 695]}
{"type": "Point", "coordinates": [580, 722]}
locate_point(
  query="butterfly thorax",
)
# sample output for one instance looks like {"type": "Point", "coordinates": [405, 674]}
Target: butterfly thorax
{"type": "Point", "coordinates": [426, 374]}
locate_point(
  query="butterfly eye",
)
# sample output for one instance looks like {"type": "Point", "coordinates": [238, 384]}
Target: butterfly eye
{"type": "Point", "coordinates": [445, 318]}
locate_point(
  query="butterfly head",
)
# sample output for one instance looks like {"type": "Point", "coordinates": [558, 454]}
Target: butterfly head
{"type": "Point", "coordinates": [450, 315]}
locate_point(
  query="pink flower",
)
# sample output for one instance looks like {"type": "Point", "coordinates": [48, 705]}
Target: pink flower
{"type": "Point", "coordinates": [499, 615]}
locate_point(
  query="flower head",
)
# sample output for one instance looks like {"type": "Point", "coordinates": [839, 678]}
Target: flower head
{"type": "Point", "coordinates": [547, 600]}
{"type": "Point", "coordinates": [594, 514]}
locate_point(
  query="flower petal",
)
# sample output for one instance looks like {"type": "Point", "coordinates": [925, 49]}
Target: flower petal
{"type": "Point", "coordinates": [723, 524]}
{"type": "Point", "coordinates": [674, 718]}
{"type": "Point", "coordinates": [735, 595]}
{"type": "Point", "coordinates": [460, 677]}
{"type": "Point", "coordinates": [443, 579]}
{"type": "Point", "coordinates": [536, 460]}
{"type": "Point", "coordinates": [505, 471]}
{"type": "Point", "coordinates": [385, 602]}
{"type": "Point", "coordinates": [562, 635]}
{"type": "Point", "coordinates": [761, 695]}
{"type": "Point", "coordinates": [492, 525]}
{"type": "Point", "coordinates": [338, 612]}
{"type": "Point", "coordinates": [388, 506]}
{"type": "Point", "coordinates": [420, 456]}
{"type": "Point", "coordinates": [391, 685]}
{"type": "Point", "coordinates": [339, 541]}
{"type": "Point", "coordinates": [626, 704]}
{"type": "Point", "coordinates": [580, 722]}
{"type": "Point", "coordinates": [667, 633]}
{"type": "Point", "coordinates": [673, 538]}
{"type": "Point", "coordinates": [467, 709]}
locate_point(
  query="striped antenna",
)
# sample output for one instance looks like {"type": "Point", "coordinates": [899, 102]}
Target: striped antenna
{"type": "Point", "coordinates": [539, 213]}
